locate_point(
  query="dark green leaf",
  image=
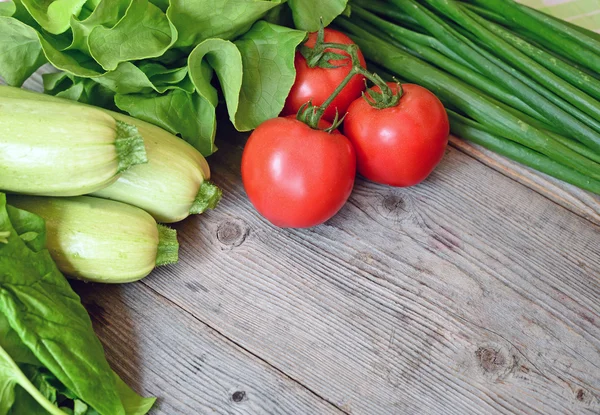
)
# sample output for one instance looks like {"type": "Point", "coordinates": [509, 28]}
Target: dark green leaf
{"type": "Point", "coordinates": [31, 228]}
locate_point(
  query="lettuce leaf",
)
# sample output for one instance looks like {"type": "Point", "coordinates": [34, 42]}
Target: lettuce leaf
{"type": "Point", "coordinates": [307, 13]}
{"type": "Point", "coordinates": [163, 61]}
{"type": "Point", "coordinates": [208, 19]}
{"type": "Point", "coordinates": [48, 349]}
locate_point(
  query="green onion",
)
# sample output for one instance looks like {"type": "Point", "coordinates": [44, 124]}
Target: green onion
{"type": "Point", "coordinates": [530, 82]}
{"type": "Point", "coordinates": [570, 74]}
{"type": "Point", "coordinates": [467, 99]}
{"type": "Point", "coordinates": [445, 33]}
{"type": "Point", "coordinates": [475, 132]}
{"type": "Point", "coordinates": [403, 38]}
{"type": "Point", "coordinates": [571, 42]}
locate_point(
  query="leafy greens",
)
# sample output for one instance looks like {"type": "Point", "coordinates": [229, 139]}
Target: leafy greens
{"type": "Point", "coordinates": [163, 61]}
{"type": "Point", "coordinates": [50, 359]}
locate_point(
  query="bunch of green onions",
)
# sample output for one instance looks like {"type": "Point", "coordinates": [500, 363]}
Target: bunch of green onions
{"type": "Point", "coordinates": [514, 80]}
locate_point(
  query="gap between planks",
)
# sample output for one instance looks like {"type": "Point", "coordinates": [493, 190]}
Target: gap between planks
{"type": "Point", "coordinates": [580, 202]}
{"type": "Point", "coordinates": [238, 345]}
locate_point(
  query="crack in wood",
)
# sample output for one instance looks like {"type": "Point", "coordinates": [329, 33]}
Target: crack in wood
{"type": "Point", "coordinates": [238, 394]}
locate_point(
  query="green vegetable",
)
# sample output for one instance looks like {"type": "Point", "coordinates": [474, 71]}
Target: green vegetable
{"type": "Point", "coordinates": [102, 240]}
{"type": "Point", "coordinates": [505, 87]}
{"type": "Point", "coordinates": [307, 13]}
{"type": "Point", "coordinates": [477, 133]}
{"type": "Point", "coordinates": [569, 73]}
{"type": "Point", "coordinates": [570, 42]}
{"type": "Point", "coordinates": [172, 185]}
{"type": "Point", "coordinates": [468, 100]}
{"type": "Point", "coordinates": [48, 349]}
{"type": "Point", "coordinates": [163, 70]}
{"type": "Point", "coordinates": [63, 149]}
{"type": "Point", "coordinates": [451, 38]}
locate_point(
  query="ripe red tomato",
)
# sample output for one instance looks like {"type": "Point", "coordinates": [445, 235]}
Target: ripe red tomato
{"type": "Point", "coordinates": [401, 145]}
{"type": "Point", "coordinates": [317, 84]}
{"type": "Point", "coordinates": [295, 176]}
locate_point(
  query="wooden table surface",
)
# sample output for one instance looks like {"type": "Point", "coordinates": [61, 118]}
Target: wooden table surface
{"type": "Point", "coordinates": [475, 292]}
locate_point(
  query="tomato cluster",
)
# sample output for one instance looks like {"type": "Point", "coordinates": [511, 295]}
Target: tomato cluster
{"type": "Point", "coordinates": [297, 176]}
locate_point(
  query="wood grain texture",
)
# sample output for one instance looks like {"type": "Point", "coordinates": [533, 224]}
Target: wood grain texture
{"type": "Point", "coordinates": [162, 351]}
{"type": "Point", "coordinates": [468, 294]}
{"type": "Point", "coordinates": [583, 203]}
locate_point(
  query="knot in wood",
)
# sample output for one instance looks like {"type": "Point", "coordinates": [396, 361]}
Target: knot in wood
{"type": "Point", "coordinates": [238, 396]}
{"type": "Point", "coordinates": [490, 359]}
{"type": "Point", "coordinates": [395, 206]}
{"type": "Point", "coordinates": [393, 203]}
{"type": "Point", "coordinates": [232, 232]}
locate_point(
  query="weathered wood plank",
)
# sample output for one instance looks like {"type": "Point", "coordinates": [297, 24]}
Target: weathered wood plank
{"type": "Point", "coordinates": [467, 294]}
{"type": "Point", "coordinates": [162, 351]}
{"type": "Point", "coordinates": [583, 203]}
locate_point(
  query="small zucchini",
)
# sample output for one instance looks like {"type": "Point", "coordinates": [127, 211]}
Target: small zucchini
{"type": "Point", "coordinates": [60, 148]}
{"type": "Point", "coordinates": [172, 185]}
{"type": "Point", "coordinates": [101, 240]}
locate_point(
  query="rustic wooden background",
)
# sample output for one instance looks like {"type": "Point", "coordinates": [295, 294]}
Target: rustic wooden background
{"type": "Point", "coordinates": [476, 292]}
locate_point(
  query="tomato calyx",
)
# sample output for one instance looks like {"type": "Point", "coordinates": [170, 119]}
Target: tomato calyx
{"type": "Point", "coordinates": [321, 55]}
{"type": "Point", "coordinates": [385, 97]}
{"type": "Point", "coordinates": [311, 116]}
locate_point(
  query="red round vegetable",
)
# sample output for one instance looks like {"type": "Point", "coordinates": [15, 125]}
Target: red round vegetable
{"type": "Point", "coordinates": [317, 84]}
{"type": "Point", "coordinates": [296, 176]}
{"type": "Point", "coordinates": [399, 145]}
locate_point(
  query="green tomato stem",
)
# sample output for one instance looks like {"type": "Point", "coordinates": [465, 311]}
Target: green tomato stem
{"type": "Point", "coordinates": [317, 56]}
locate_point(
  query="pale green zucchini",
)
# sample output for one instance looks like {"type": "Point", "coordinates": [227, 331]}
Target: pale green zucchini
{"type": "Point", "coordinates": [172, 185]}
{"type": "Point", "coordinates": [61, 148]}
{"type": "Point", "coordinates": [101, 240]}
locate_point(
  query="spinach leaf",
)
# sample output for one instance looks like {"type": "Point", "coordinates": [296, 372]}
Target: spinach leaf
{"type": "Point", "coordinates": [307, 13]}
{"type": "Point", "coordinates": [30, 228]}
{"type": "Point", "coordinates": [11, 375]}
{"type": "Point", "coordinates": [45, 316]}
